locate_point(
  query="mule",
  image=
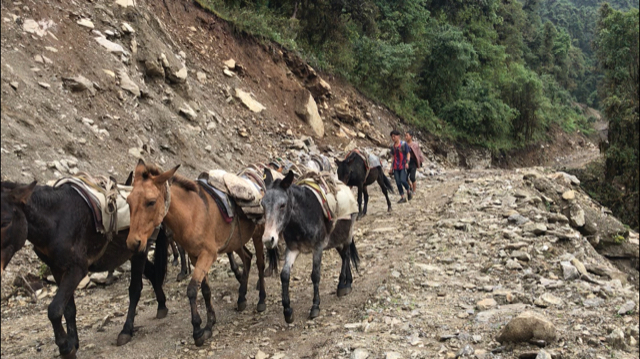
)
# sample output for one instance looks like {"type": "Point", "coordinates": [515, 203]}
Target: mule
{"type": "Point", "coordinates": [60, 225]}
{"type": "Point", "coordinates": [199, 227]}
{"type": "Point", "coordinates": [295, 213]}
{"type": "Point", "coordinates": [352, 171]}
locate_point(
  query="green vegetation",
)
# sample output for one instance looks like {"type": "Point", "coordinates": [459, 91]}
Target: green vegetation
{"type": "Point", "coordinates": [496, 73]}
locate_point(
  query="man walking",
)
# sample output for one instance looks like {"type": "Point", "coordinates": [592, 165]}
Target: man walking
{"type": "Point", "coordinates": [401, 156]}
{"type": "Point", "coordinates": [416, 159]}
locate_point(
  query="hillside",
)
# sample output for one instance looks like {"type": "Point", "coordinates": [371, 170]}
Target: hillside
{"type": "Point", "coordinates": [95, 85]}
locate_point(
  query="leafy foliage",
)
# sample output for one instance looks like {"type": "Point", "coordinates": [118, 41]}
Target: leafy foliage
{"type": "Point", "coordinates": [490, 72]}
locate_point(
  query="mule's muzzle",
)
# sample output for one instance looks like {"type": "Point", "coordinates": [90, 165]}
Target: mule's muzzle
{"type": "Point", "coordinates": [135, 245]}
{"type": "Point", "coordinates": [269, 242]}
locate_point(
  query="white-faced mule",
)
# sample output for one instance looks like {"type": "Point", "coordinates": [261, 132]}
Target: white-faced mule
{"type": "Point", "coordinates": [295, 212]}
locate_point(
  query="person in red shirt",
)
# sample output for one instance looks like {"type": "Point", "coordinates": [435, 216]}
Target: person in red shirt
{"type": "Point", "coordinates": [401, 156]}
{"type": "Point", "coordinates": [416, 159]}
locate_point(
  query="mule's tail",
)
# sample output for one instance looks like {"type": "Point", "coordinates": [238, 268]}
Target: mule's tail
{"type": "Point", "coordinates": [273, 258]}
{"type": "Point", "coordinates": [386, 181]}
{"type": "Point", "coordinates": [160, 256]}
{"type": "Point", "coordinates": [353, 252]}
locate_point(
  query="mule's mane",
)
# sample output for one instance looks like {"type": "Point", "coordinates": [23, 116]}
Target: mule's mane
{"type": "Point", "coordinates": [180, 181]}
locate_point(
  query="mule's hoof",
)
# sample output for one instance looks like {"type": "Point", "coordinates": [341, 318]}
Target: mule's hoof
{"type": "Point", "coordinates": [200, 341]}
{"type": "Point", "coordinates": [288, 316]}
{"type": "Point", "coordinates": [181, 277]}
{"type": "Point", "coordinates": [123, 339]}
{"type": "Point", "coordinates": [242, 306]}
{"type": "Point", "coordinates": [261, 307]}
{"type": "Point", "coordinates": [162, 313]}
{"type": "Point", "coordinates": [389, 210]}
{"type": "Point", "coordinates": [70, 355]}
{"type": "Point", "coordinates": [268, 272]}
{"type": "Point", "coordinates": [314, 313]}
{"type": "Point", "coordinates": [207, 334]}
{"type": "Point", "coordinates": [175, 263]}
{"type": "Point", "coordinates": [344, 291]}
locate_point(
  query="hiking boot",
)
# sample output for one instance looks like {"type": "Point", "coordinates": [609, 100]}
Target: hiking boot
{"type": "Point", "coordinates": [409, 195]}
{"type": "Point", "coordinates": [402, 200]}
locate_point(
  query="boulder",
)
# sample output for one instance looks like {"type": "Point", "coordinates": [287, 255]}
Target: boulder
{"type": "Point", "coordinates": [535, 228]}
{"type": "Point", "coordinates": [153, 68]}
{"type": "Point", "coordinates": [127, 84]}
{"type": "Point", "coordinates": [527, 326]}
{"type": "Point", "coordinates": [576, 215]}
{"type": "Point", "coordinates": [307, 110]}
{"type": "Point", "coordinates": [177, 76]}
{"type": "Point", "coordinates": [319, 87]}
{"type": "Point", "coordinates": [78, 83]}
{"type": "Point", "coordinates": [248, 101]}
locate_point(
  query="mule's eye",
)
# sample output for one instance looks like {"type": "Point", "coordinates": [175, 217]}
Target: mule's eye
{"type": "Point", "coordinates": [5, 224]}
{"type": "Point", "coordinates": [282, 206]}
{"type": "Point", "coordinates": [151, 203]}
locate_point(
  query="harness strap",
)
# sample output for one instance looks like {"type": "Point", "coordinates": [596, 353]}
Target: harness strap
{"type": "Point", "coordinates": [226, 243]}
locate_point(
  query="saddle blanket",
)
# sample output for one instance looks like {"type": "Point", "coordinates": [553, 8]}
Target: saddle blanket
{"type": "Point", "coordinates": [338, 203]}
{"type": "Point", "coordinates": [106, 199]}
{"type": "Point", "coordinates": [245, 190]}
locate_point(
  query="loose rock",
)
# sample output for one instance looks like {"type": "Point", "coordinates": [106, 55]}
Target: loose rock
{"type": "Point", "coordinates": [527, 326]}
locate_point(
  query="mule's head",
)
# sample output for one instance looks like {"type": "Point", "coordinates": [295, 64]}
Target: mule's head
{"type": "Point", "coordinates": [14, 222]}
{"type": "Point", "coordinates": [344, 170]}
{"type": "Point", "coordinates": [277, 205]}
{"type": "Point", "coordinates": [148, 203]}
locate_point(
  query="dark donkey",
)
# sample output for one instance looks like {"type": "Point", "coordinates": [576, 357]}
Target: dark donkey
{"type": "Point", "coordinates": [295, 212]}
{"type": "Point", "coordinates": [352, 171]}
{"type": "Point", "coordinates": [60, 225]}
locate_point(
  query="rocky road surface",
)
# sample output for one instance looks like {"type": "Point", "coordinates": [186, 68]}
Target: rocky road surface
{"type": "Point", "coordinates": [440, 277]}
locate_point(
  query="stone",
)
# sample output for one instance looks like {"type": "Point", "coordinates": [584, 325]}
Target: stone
{"type": "Point", "coordinates": [78, 83]}
{"type": "Point", "coordinates": [392, 355]}
{"type": "Point", "coordinates": [44, 85]}
{"type": "Point", "coordinates": [51, 49]}
{"type": "Point", "coordinates": [103, 323]}
{"type": "Point", "coordinates": [527, 326]}
{"type": "Point", "coordinates": [616, 339]}
{"type": "Point", "coordinates": [126, 3]}
{"type": "Point", "coordinates": [547, 300]}
{"type": "Point", "coordinates": [230, 64]}
{"type": "Point", "coordinates": [38, 59]}
{"type": "Point", "coordinates": [179, 76]}
{"type": "Point", "coordinates": [579, 266]}
{"type": "Point", "coordinates": [520, 255]}
{"type": "Point", "coordinates": [84, 282]}
{"type": "Point", "coordinates": [467, 350]}
{"type": "Point", "coordinates": [187, 112]}
{"type": "Point", "coordinates": [627, 308]}
{"type": "Point", "coordinates": [127, 84]}
{"type": "Point", "coordinates": [360, 354]}
{"type": "Point", "coordinates": [543, 354]}
{"type": "Point", "coordinates": [343, 111]}
{"type": "Point", "coordinates": [576, 216]}
{"type": "Point", "coordinates": [518, 219]}
{"type": "Point", "coordinates": [511, 264]}
{"type": "Point", "coordinates": [248, 101]}
{"type": "Point", "coordinates": [111, 46]}
{"type": "Point", "coordinates": [261, 355]}
{"type": "Point", "coordinates": [307, 110]}
{"type": "Point", "coordinates": [153, 68]}
{"type": "Point", "coordinates": [557, 218]}
{"type": "Point", "coordinates": [86, 23]}
{"type": "Point", "coordinates": [569, 195]}
{"type": "Point", "coordinates": [319, 87]}
{"type": "Point", "coordinates": [486, 304]}
{"type": "Point", "coordinates": [201, 76]}
{"type": "Point", "coordinates": [535, 228]}
{"type": "Point", "coordinates": [127, 29]}
{"type": "Point", "coordinates": [228, 73]}
{"type": "Point", "coordinates": [569, 272]}
{"type": "Point", "coordinates": [109, 72]}
{"type": "Point", "coordinates": [14, 84]}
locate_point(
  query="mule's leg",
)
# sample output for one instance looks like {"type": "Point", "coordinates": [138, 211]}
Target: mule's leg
{"type": "Point", "coordinates": [67, 285]}
{"type": "Point", "coordinates": [151, 272]}
{"type": "Point", "coordinates": [315, 278]}
{"type": "Point", "coordinates": [383, 187]}
{"type": "Point", "coordinates": [203, 263]}
{"type": "Point", "coordinates": [360, 186]}
{"type": "Point", "coordinates": [343, 284]}
{"type": "Point", "coordinates": [70, 318]}
{"type": "Point", "coordinates": [366, 200]}
{"type": "Point", "coordinates": [185, 268]}
{"type": "Point", "coordinates": [211, 314]}
{"type": "Point", "coordinates": [138, 262]}
{"type": "Point", "coordinates": [234, 266]}
{"type": "Point", "coordinates": [245, 256]}
{"type": "Point", "coordinates": [285, 275]}
{"type": "Point", "coordinates": [262, 295]}
{"type": "Point", "coordinates": [174, 251]}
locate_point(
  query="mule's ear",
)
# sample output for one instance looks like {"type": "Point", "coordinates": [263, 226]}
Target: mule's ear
{"type": "Point", "coordinates": [129, 180]}
{"type": "Point", "coordinates": [267, 177]}
{"type": "Point", "coordinates": [22, 194]}
{"type": "Point", "coordinates": [164, 177]}
{"type": "Point", "coordinates": [338, 162]}
{"type": "Point", "coordinates": [287, 181]}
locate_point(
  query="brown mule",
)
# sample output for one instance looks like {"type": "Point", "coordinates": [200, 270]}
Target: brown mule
{"type": "Point", "coordinates": [198, 226]}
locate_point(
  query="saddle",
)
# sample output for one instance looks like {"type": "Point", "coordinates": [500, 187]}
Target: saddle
{"type": "Point", "coordinates": [105, 197]}
{"type": "Point", "coordinates": [245, 190]}
{"type": "Point", "coordinates": [336, 199]}
{"type": "Point", "coordinates": [225, 204]}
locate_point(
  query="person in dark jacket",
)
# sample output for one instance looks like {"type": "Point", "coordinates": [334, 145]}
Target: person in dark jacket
{"type": "Point", "coordinates": [416, 159]}
{"type": "Point", "coordinates": [401, 156]}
